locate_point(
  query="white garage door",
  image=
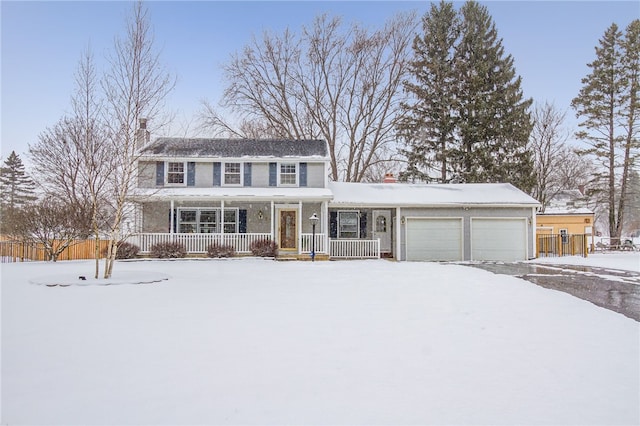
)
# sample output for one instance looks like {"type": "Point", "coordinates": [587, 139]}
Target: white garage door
{"type": "Point", "coordinates": [434, 239]}
{"type": "Point", "coordinates": [499, 239]}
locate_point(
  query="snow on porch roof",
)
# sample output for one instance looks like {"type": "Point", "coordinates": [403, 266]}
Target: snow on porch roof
{"type": "Point", "coordinates": [231, 193]}
{"type": "Point", "coordinates": [427, 195]}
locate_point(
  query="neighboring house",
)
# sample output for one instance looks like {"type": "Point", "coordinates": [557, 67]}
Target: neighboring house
{"type": "Point", "coordinates": [565, 227]}
{"type": "Point", "coordinates": [225, 191]}
{"type": "Point", "coordinates": [567, 213]}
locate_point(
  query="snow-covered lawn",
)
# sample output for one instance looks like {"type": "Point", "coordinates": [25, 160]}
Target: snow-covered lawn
{"type": "Point", "coordinates": [253, 341]}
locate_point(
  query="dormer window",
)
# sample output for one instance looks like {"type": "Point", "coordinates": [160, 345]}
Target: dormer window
{"type": "Point", "coordinates": [232, 173]}
{"type": "Point", "coordinates": [176, 173]}
{"type": "Point", "coordinates": [288, 174]}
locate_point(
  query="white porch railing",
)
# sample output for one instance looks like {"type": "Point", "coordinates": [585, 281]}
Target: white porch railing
{"type": "Point", "coordinates": [198, 243]}
{"type": "Point", "coordinates": [320, 246]}
{"type": "Point", "coordinates": [354, 249]}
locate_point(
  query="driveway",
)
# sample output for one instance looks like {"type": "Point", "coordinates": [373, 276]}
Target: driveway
{"type": "Point", "coordinates": [612, 289]}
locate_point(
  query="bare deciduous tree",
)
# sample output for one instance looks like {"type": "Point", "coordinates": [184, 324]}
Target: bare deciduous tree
{"type": "Point", "coordinates": [557, 166]}
{"type": "Point", "coordinates": [341, 85]}
{"type": "Point", "coordinates": [135, 88]}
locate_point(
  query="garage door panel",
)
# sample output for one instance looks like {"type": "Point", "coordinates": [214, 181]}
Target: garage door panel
{"type": "Point", "coordinates": [498, 239]}
{"type": "Point", "coordinates": [434, 239]}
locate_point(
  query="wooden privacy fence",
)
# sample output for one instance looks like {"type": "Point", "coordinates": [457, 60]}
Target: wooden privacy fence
{"type": "Point", "coordinates": [16, 251]}
{"type": "Point", "coordinates": [554, 245]}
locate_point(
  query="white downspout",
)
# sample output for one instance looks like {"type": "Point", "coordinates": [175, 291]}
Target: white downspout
{"type": "Point", "coordinates": [534, 220]}
{"type": "Point", "coordinates": [398, 234]}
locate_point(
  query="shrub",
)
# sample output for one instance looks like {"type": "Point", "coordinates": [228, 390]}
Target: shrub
{"type": "Point", "coordinates": [217, 250]}
{"type": "Point", "coordinates": [127, 250]}
{"type": "Point", "coordinates": [264, 248]}
{"type": "Point", "coordinates": [168, 250]}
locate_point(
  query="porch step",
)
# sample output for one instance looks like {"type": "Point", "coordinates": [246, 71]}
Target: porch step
{"type": "Point", "coordinates": [303, 257]}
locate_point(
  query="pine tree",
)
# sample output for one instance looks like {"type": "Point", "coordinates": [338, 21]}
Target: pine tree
{"type": "Point", "coordinates": [608, 105]}
{"type": "Point", "coordinates": [476, 108]}
{"type": "Point", "coordinates": [428, 125]}
{"type": "Point", "coordinates": [17, 188]}
{"type": "Point", "coordinates": [494, 120]}
{"type": "Point", "coordinates": [16, 191]}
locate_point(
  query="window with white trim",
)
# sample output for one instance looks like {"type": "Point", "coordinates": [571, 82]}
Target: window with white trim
{"type": "Point", "coordinates": [206, 220]}
{"type": "Point", "coordinates": [349, 224]}
{"type": "Point", "coordinates": [232, 173]}
{"type": "Point", "coordinates": [176, 173]}
{"type": "Point", "coordinates": [288, 174]}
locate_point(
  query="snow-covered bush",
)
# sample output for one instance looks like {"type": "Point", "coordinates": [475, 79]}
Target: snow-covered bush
{"type": "Point", "coordinates": [264, 248]}
{"type": "Point", "coordinates": [217, 250]}
{"type": "Point", "coordinates": [168, 250]}
{"type": "Point", "coordinates": [127, 251]}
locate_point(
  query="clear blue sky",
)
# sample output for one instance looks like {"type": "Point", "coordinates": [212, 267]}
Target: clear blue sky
{"type": "Point", "coordinates": [551, 43]}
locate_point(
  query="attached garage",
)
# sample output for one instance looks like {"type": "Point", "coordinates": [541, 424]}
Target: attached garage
{"type": "Point", "coordinates": [438, 239]}
{"type": "Point", "coordinates": [503, 239]}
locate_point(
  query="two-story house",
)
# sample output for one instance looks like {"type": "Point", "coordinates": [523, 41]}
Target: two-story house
{"type": "Point", "coordinates": [234, 192]}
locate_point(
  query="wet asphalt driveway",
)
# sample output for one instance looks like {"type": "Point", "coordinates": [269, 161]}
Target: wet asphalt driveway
{"type": "Point", "coordinates": [612, 289]}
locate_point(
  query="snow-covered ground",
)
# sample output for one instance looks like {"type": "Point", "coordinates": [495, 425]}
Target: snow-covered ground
{"type": "Point", "coordinates": [253, 341]}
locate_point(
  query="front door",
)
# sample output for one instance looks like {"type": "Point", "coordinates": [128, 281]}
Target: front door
{"type": "Point", "coordinates": [382, 229]}
{"type": "Point", "coordinates": [288, 230]}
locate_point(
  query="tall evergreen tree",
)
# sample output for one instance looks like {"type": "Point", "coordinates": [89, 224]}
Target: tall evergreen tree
{"type": "Point", "coordinates": [494, 120]}
{"type": "Point", "coordinates": [16, 191]}
{"type": "Point", "coordinates": [428, 124]}
{"type": "Point", "coordinates": [481, 111]}
{"type": "Point", "coordinates": [17, 188]}
{"type": "Point", "coordinates": [608, 106]}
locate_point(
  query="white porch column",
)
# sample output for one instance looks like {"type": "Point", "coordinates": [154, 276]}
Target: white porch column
{"type": "Point", "coordinates": [273, 222]}
{"type": "Point", "coordinates": [222, 216]}
{"type": "Point", "coordinates": [324, 226]}
{"type": "Point", "coordinates": [173, 218]}
{"type": "Point", "coordinates": [301, 226]}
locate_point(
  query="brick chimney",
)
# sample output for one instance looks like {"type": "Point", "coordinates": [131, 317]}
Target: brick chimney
{"type": "Point", "coordinates": [389, 178]}
{"type": "Point", "coordinates": [142, 134]}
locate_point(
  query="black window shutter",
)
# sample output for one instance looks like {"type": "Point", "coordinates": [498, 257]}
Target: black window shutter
{"type": "Point", "coordinates": [273, 174]}
{"type": "Point", "coordinates": [333, 224]}
{"type": "Point", "coordinates": [242, 221]}
{"type": "Point", "coordinates": [247, 174]}
{"type": "Point", "coordinates": [159, 173]}
{"type": "Point", "coordinates": [303, 174]}
{"type": "Point", "coordinates": [363, 224]}
{"type": "Point", "coordinates": [217, 174]}
{"type": "Point", "coordinates": [191, 173]}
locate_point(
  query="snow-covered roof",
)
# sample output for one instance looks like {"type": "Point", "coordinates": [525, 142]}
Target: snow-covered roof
{"type": "Point", "coordinates": [234, 148]}
{"type": "Point", "coordinates": [231, 193]}
{"type": "Point", "coordinates": [428, 195]}
{"type": "Point", "coordinates": [561, 210]}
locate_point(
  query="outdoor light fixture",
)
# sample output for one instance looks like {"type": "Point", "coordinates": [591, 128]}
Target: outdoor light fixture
{"type": "Point", "coordinates": [260, 214]}
{"type": "Point", "coordinates": [314, 220]}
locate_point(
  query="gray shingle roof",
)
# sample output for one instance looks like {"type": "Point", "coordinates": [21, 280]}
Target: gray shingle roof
{"type": "Point", "coordinates": [235, 148]}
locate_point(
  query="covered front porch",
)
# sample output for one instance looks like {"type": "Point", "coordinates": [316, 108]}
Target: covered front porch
{"type": "Point", "coordinates": [199, 222]}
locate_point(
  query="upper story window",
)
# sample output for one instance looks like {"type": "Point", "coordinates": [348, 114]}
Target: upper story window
{"type": "Point", "coordinates": [232, 173]}
{"type": "Point", "coordinates": [176, 173]}
{"type": "Point", "coordinates": [288, 174]}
